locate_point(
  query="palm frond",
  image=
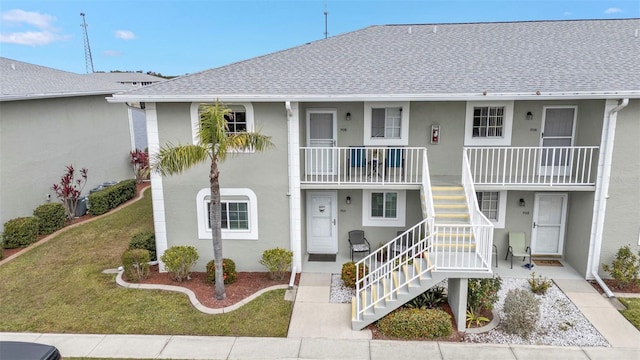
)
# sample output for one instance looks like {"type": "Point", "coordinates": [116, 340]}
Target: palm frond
{"type": "Point", "coordinates": [213, 127]}
{"type": "Point", "coordinates": [246, 141]}
{"type": "Point", "coordinates": [176, 159]}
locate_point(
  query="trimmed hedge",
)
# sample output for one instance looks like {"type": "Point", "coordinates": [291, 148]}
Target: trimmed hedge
{"type": "Point", "coordinates": [20, 232]}
{"type": "Point", "coordinates": [136, 264]}
{"type": "Point", "coordinates": [145, 240]}
{"type": "Point", "coordinates": [51, 217]}
{"type": "Point", "coordinates": [104, 200]}
{"type": "Point", "coordinates": [348, 274]}
{"type": "Point", "coordinates": [178, 261]}
{"type": "Point", "coordinates": [229, 273]}
{"type": "Point", "coordinates": [416, 324]}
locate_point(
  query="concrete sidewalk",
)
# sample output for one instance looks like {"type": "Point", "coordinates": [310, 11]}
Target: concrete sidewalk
{"type": "Point", "coordinates": [205, 347]}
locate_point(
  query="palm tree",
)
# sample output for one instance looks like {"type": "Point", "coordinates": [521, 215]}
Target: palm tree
{"type": "Point", "coordinates": [215, 142]}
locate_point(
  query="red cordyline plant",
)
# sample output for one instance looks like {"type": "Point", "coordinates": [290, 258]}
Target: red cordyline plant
{"type": "Point", "coordinates": [69, 189]}
{"type": "Point", "coordinates": [140, 161]}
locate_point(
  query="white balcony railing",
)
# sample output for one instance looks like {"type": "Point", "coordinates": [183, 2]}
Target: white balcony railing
{"type": "Point", "coordinates": [362, 165]}
{"type": "Point", "coordinates": [549, 166]}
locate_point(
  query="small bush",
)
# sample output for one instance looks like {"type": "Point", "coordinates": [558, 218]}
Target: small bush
{"type": "Point", "coordinates": [144, 240]}
{"type": "Point", "coordinates": [20, 232]}
{"type": "Point", "coordinates": [277, 261]}
{"type": "Point", "coordinates": [104, 200]}
{"type": "Point", "coordinates": [430, 299]}
{"type": "Point", "coordinates": [136, 264]}
{"type": "Point", "coordinates": [625, 267]}
{"type": "Point", "coordinates": [521, 312]}
{"type": "Point", "coordinates": [51, 217]}
{"type": "Point", "coordinates": [349, 273]}
{"type": "Point", "coordinates": [1, 246]}
{"type": "Point", "coordinates": [229, 273]}
{"type": "Point", "coordinates": [415, 323]}
{"type": "Point", "coordinates": [482, 294]}
{"type": "Point", "coordinates": [539, 284]}
{"type": "Point", "coordinates": [178, 261]}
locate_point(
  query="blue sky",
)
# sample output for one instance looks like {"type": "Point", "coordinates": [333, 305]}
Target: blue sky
{"type": "Point", "coordinates": [175, 37]}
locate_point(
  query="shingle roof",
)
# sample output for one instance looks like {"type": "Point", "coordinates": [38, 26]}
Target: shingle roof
{"type": "Point", "coordinates": [125, 77]}
{"type": "Point", "coordinates": [20, 80]}
{"type": "Point", "coordinates": [590, 56]}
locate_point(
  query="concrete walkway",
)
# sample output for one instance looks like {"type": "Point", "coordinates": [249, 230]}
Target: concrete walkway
{"type": "Point", "coordinates": [320, 330]}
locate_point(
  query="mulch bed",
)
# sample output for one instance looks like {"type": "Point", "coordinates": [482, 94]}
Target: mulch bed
{"type": "Point", "coordinates": [613, 286]}
{"type": "Point", "coordinates": [247, 284]}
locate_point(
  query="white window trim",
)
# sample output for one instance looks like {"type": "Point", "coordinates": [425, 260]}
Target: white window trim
{"type": "Point", "coordinates": [502, 208]}
{"type": "Point", "coordinates": [195, 118]}
{"type": "Point", "coordinates": [404, 123]}
{"type": "Point", "coordinates": [401, 210]}
{"type": "Point", "coordinates": [505, 140]}
{"type": "Point", "coordinates": [205, 233]}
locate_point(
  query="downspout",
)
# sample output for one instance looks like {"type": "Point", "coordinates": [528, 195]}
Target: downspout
{"type": "Point", "coordinates": [291, 169]}
{"type": "Point", "coordinates": [602, 194]}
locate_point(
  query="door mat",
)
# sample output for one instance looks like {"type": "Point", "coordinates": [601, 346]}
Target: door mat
{"type": "Point", "coordinates": [545, 262]}
{"type": "Point", "coordinates": [322, 257]}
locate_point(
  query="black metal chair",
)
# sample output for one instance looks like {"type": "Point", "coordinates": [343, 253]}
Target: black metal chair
{"type": "Point", "coordinates": [358, 243]}
{"type": "Point", "coordinates": [404, 242]}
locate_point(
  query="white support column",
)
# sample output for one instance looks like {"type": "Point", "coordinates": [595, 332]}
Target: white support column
{"type": "Point", "coordinates": [295, 212]}
{"type": "Point", "coordinates": [457, 298]}
{"type": "Point", "coordinates": [157, 192]}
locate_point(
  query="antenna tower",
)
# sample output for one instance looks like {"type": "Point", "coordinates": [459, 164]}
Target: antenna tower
{"type": "Point", "coordinates": [326, 15]}
{"type": "Point", "coordinates": [88, 60]}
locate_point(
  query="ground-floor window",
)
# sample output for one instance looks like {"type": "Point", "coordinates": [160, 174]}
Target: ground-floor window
{"type": "Point", "coordinates": [493, 206]}
{"type": "Point", "coordinates": [383, 208]}
{"type": "Point", "coordinates": [239, 213]}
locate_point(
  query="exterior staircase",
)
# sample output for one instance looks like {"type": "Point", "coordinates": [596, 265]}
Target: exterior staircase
{"type": "Point", "coordinates": [452, 218]}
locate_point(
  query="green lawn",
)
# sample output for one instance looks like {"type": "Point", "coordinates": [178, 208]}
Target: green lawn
{"type": "Point", "coordinates": [632, 313]}
{"type": "Point", "coordinates": [59, 287]}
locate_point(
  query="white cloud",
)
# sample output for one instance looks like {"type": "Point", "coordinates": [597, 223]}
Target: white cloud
{"type": "Point", "coordinates": [41, 21]}
{"type": "Point", "coordinates": [33, 38]}
{"type": "Point", "coordinates": [125, 35]}
{"type": "Point", "coordinates": [43, 34]}
{"type": "Point", "coordinates": [568, 13]}
{"type": "Point", "coordinates": [612, 10]}
{"type": "Point", "coordinates": [112, 53]}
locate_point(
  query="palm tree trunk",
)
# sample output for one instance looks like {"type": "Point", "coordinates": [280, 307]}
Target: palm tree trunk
{"type": "Point", "coordinates": [216, 232]}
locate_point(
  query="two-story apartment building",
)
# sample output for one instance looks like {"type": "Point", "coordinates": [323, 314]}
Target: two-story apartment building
{"type": "Point", "coordinates": [447, 135]}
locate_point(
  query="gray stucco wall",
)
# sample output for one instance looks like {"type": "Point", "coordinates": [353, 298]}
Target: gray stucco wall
{"type": "Point", "coordinates": [265, 173]}
{"type": "Point", "coordinates": [578, 230]}
{"type": "Point", "coordinates": [622, 220]}
{"type": "Point", "coordinates": [39, 138]}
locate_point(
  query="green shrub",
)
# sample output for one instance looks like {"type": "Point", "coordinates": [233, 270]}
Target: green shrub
{"type": "Point", "coordinates": [20, 232]}
{"type": "Point", "coordinates": [51, 217]}
{"type": "Point", "coordinates": [482, 294]}
{"type": "Point", "coordinates": [229, 273]}
{"type": "Point", "coordinates": [539, 284]}
{"type": "Point", "coordinates": [429, 299]}
{"type": "Point", "coordinates": [277, 261]}
{"type": "Point", "coordinates": [136, 264]}
{"type": "Point", "coordinates": [349, 273]}
{"type": "Point", "coordinates": [416, 323]}
{"type": "Point", "coordinates": [109, 198]}
{"type": "Point", "coordinates": [632, 312]}
{"type": "Point", "coordinates": [178, 261]}
{"type": "Point", "coordinates": [521, 312]}
{"type": "Point", "coordinates": [625, 267]}
{"type": "Point", "coordinates": [1, 246]}
{"type": "Point", "coordinates": [145, 240]}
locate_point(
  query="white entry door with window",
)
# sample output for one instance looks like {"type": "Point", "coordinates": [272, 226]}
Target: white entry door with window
{"type": "Point", "coordinates": [558, 127]}
{"type": "Point", "coordinates": [549, 214]}
{"type": "Point", "coordinates": [322, 222]}
{"type": "Point", "coordinates": [321, 138]}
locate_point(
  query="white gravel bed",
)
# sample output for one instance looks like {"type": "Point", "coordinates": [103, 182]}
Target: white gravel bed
{"type": "Point", "coordinates": [560, 324]}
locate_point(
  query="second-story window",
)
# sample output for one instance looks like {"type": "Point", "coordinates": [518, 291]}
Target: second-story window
{"type": "Point", "coordinates": [488, 121]}
{"type": "Point", "coordinates": [237, 121]}
{"type": "Point", "coordinates": [386, 123]}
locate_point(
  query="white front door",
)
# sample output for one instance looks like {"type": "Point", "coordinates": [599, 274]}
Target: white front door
{"type": "Point", "coordinates": [321, 138]}
{"type": "Point", "coordinates": [558, 126]}
{"type": "Point", "coordinates": [549, 213]}
{"type": "Point", "coordinates": [322, 222]}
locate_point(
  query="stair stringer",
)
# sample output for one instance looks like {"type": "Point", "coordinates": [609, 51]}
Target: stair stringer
{"type": "Point", "coordinates": [400, 296]}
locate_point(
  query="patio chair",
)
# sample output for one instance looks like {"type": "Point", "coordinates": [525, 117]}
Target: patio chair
{"type": "Point", "coordinates": [394, 161]}
{"type": "Point", "coordinates": [518, 248]}
{"type": "Point", "coordinates": [495, 254]}
{"type": "Point", "coordinates": [358, 242]}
